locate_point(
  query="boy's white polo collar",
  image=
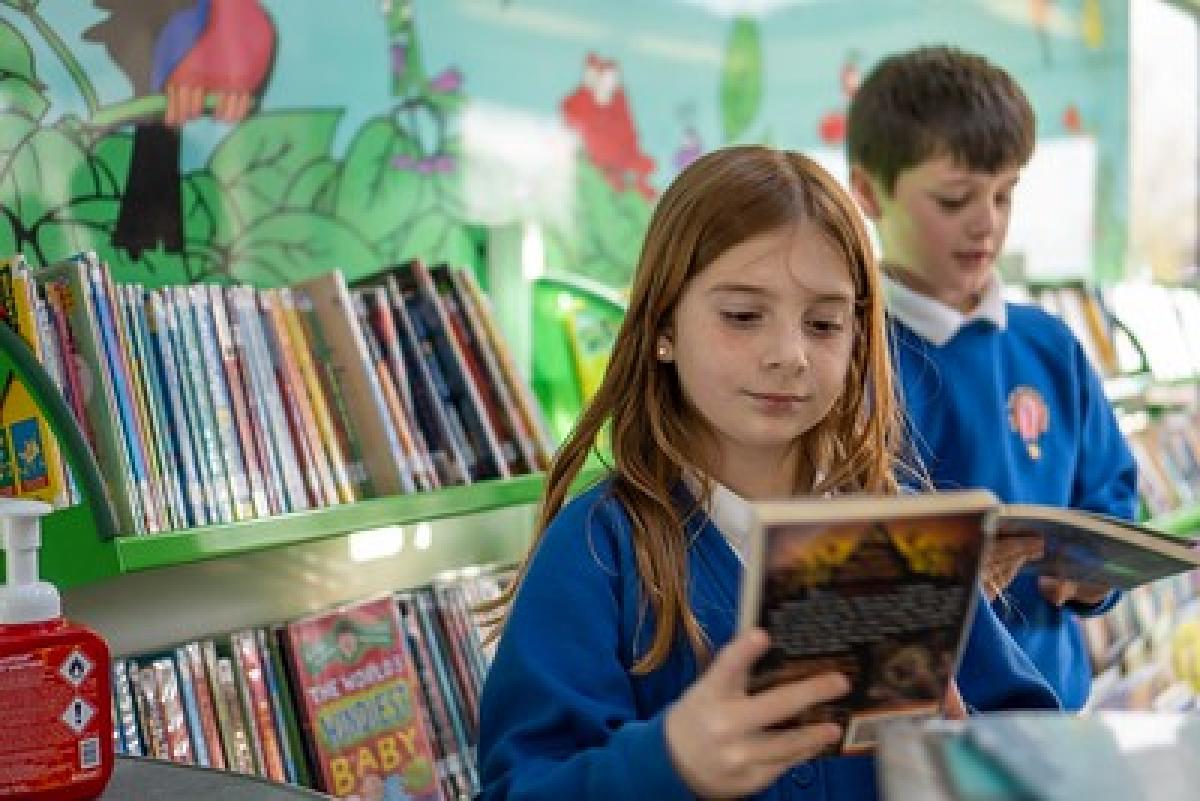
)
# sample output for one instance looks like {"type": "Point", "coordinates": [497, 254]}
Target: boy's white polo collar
{"type": "Point", "coordinates": [936, 322]}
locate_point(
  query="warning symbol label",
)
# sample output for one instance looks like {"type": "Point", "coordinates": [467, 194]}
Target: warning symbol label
{"type": "Point", "coordinates": [75, 668]}
{"type": "Point", "coordinates": [77, 715]}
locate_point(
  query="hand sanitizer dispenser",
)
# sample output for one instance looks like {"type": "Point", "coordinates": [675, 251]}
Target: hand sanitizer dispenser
{"type": "Point", "coordinates": [56, 730]}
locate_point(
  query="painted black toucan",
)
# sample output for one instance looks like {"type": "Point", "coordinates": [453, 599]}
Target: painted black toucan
{"type": "Point", "coordinates": [187, 50]}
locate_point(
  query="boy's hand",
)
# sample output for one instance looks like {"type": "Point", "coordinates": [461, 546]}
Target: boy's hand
{"type": "Point", "coordinates": [1006, 558]}
{"type": "Point", "coordinates": [721, 738]}
{"type": "Point", "coordinates": [1060, 591]}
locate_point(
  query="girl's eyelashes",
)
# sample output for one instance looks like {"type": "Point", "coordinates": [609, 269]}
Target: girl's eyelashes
{"type": "Point", "coordinates": [826, 327]}
{"type": "Point", "coordinates": [741, 317]}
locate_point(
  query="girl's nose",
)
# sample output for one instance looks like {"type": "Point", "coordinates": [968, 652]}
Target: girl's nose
{"type": "Point", "coordinates": [788, 353]}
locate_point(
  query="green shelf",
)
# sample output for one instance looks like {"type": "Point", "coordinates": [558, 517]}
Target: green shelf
{"type": "Point", "coordinates": [1181, 521]}
{"type": "Point", "coordinates": [72, 556]}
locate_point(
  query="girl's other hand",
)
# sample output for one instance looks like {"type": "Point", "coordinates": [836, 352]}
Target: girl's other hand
{"type": "Point", "coordinates": [1006, 558]}
{"type": "Point", "coordinates": [721, 738]}
{"type": "Point", "coordinates": [1060, 591]}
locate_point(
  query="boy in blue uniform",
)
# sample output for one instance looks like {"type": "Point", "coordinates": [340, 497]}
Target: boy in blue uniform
{"type": "Point", "coordinates": [754, 345]}
{"type": "Point", "coordinates": [999, 395]}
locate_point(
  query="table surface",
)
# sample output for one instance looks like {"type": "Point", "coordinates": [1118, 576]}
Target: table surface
{"type": "Point", "coordinates": [138, 779]}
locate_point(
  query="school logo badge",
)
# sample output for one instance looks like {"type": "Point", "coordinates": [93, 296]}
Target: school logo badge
{"type": "Point", "coordinates": [1029, 418]}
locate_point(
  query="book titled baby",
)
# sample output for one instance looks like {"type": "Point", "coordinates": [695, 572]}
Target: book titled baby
{"type": "Point", "coordinates": [360, 700]}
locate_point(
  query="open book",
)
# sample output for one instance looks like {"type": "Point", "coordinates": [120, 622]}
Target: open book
{"type": "Point", "coordinates": [881, 589]}
{"type": "Point", "coordinates": [1086, 546]}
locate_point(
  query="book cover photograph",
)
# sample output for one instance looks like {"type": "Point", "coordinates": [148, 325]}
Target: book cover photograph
{"type": "Point", "coordinates": [360, 699]}
{"type": "Point", "coordinates": [878, 589]}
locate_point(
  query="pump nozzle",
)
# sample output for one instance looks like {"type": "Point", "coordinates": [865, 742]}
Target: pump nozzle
{"type": "Point", "coordinates": [24, 598]}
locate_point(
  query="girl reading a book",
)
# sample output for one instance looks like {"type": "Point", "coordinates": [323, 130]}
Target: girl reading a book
{"type": "Point", "coordinates": [752, 364]}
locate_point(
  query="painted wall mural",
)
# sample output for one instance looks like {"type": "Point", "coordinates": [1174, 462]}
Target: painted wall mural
{"type": "Point", "coordinates": [268, 140]}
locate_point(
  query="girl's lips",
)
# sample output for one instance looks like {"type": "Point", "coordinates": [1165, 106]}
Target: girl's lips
{"type": "Point", "coordinates": [778, 397]}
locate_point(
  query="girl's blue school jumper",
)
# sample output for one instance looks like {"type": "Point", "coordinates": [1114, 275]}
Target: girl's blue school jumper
{"type": "Point", "coordinates": [562, 715]}
{"type": "Point", "coordinates": [977, 404]}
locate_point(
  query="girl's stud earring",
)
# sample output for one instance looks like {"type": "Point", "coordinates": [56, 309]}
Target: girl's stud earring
{"type": "Point", "coordinates": [664, 351]}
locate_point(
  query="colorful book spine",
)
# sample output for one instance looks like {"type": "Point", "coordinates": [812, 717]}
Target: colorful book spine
{"type": "Point", "coordinates": [322, 415]}
{"type": "Point", "coordinates": [331, 384]}
{"type": "Point", "coordinates": [436, 419]}
{"type": "Point", "coordinates": [334, 311]}
{"type": "Point", "coordinates": [517, 385]}
{"type": "Point", "coordinates": [199, 428]}
{"type": "Point", "coordinates": [283, 457]}
{"type": "Point", "coordinates": [242, 419]}
{"type": "Point", "coordinates": [191, 656]}
{"type": "Point", "coordinates": [323, 487]}
{"type": "Point", "coordinates": [178, 421]}
{"type": "Point", "coordinates": [258, 703]}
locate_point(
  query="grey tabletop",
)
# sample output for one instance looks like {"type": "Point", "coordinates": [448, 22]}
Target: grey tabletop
{"type": "Point", "coordinates": [137, 779]}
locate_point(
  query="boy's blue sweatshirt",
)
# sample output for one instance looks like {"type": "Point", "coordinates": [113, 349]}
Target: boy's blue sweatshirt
{"type": "Point", "coordinates": [564, 717]}
{"type": "Point", "coordinates": [973, 404]}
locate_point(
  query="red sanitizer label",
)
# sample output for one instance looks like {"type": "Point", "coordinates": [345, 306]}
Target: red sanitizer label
{"type": "Point", "coordinates": [51, 718]}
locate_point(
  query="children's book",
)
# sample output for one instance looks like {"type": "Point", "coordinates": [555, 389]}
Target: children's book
{"type": "Point", "coordinates": [1090, 547]}
{"type": "Point", "coordinates": [360, 700]}
{"type": "Point", "coordinates": [880, 589]}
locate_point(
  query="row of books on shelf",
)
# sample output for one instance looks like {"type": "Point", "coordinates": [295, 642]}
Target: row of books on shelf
{"type": "Point", "coordinates": [1166, 448]}
{"type": "Point", "coordinates": [1130, 327]}
{"type": "Point", "coordinates": [1141, 655]}
{"type": "Point", "coordinates": [374, 699]}
{"type": "Point", "coordinates": [209, 404]}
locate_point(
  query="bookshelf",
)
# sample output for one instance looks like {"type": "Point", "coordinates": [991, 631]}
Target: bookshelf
{"type": "Point", "coordinates": [82, 544]}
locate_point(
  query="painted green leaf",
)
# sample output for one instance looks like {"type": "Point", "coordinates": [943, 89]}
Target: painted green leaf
{"type": "Point", "coordinates": [311, 184]}
{"type": "Point", "coordinates": [425, 237]}
{"type": "Point", "coordinates": [264, 153]}
{"type": "Point", "coordinates": [741, 78]}
{"type": "Point", "coordinates": [80, 225]}
{"type": "Point", "coordinates": [22, 97]}
{"type": "Point", "coordinates": [44, 172]}
{"type": "Point", "coordinates": [379, 186]}
{"type": "Point", "coordinates": [450, 187]}
{"type": "Point", "coordinates": [15, 56]}
{"type": "Point", "coordinates": [295, 245]}
{"type": "Point", "coordinates": [8, 237]}
{"type": "Point", "coordinates": [111, 156]}
{"type": "Point", "coordinates": [208, 216]}
{"type": "Point", "coordinates": [20, 89]}
{"type": "Point", "coordinates": [457, 248]}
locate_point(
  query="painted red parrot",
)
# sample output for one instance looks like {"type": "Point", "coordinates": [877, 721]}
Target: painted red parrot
{"type": "Point", "coordinates": [187, 50]}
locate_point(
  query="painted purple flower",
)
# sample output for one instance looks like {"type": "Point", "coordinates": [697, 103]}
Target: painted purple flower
{"type": "Point", "coordinates": [426, 166]}
{"type": "Point", "coordinates": [443, 163]}
{"type": "Point", "coordinates": [403, 162]}
{"type": "Point", "coordinates": [446, 81]}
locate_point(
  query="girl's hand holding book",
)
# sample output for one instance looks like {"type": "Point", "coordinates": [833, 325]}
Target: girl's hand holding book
{"type": "Point", "coordinates": [725, 742]}
{"type": "Point", "coordinates": [1006, 558]}
{"type": "Point", "coordinates": [1061, 591]}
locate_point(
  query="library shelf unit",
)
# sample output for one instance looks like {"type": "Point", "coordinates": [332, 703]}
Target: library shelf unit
{"type": "Point", "coordinates": [144, 591]}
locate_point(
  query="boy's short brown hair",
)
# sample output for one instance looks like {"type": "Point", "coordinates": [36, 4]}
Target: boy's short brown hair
{"type": "Point", "coordinates": [936, 101]}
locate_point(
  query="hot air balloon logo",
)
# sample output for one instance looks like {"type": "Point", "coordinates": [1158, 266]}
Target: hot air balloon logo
{"type": "Point", "coordinates": [1029, 418]}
